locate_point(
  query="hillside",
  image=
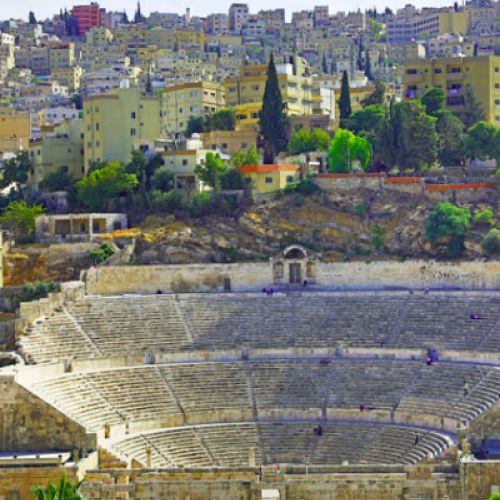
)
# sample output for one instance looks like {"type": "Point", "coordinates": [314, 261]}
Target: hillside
{"type": "Point", "coordinates": [362, 224]}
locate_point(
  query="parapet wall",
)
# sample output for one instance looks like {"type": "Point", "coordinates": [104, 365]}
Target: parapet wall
{"type": "Point", "coordinates": [460, 193]}
{"type": "Point", "coordinates": [416, 274]}
{"type": "Point", "coordinates": [31, 311]}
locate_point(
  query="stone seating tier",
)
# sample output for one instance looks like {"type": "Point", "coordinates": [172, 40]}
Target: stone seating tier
{"type": "Point", "coordinates": [204, 390]}
{"type": "Point", "coordinates": [228, 445]}
{"type": "Point", "coordinates": [112, 326]}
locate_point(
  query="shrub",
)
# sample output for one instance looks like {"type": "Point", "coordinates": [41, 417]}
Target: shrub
{"type": "Point", "coordinates": [36, 290]}
{"type": "Point", "coordinates": [484, 217]}
{"type": "Point", "coordinates": [360, 209]}
{"type": "Point", "coordinates": [448, 224]}
{"type": "Point", "coordinates": [307, 187]}
{"type": "Point", "coordinates": [378, 236]}
{"type": "Point", "coordinates": [491, 242]}
{"type": "Point", "coordinates": [104, 252]}
{"type": "Point", "coordinates": [201, 204]}
{"type": "Point", "coordinates": [167, 202]}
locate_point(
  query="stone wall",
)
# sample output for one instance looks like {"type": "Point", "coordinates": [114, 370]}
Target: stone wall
{"type": "Point", "coordinates": [177, 278]}
{"type": "Point", "coordinates": [254, 276]}
{"type": "Point", "coordinates": [28, 423]}
{"type": "Point", "coordinates": [16, 482]}
{"type": "Point", "coordinates": [361, 482]}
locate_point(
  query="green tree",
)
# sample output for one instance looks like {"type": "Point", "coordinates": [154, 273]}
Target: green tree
{"type": "Point", "coordinates": [451, 139]}
{"type": "Point", "coordinates": [473, 111]}
{"type": "Point", "coordinates": [195, 125]}
{"type": "Point", "coordinates": [448, 224]}
{"type": "Point", "coordinates": [300, 142]}
{"type": "Point", "coordinates": [347, 148]}
{"type": "Point", "coordinates": [433, 100]}
{"type": "Point", "coordinates": [377, 96]}
{"type": "Point", "coordinates": [273, 122]}
{"type": "Point", "coordinates": [344, 101]}
{"type": "Point", "coordinates": [384, 143]}
{"type": "Point", "coordinates": [211, 171]}
{"type": "Point", "coordinates": [15, 171]}
{"type": "Point", "coordinates": [31, 17]}
{"type": "Point", "coordinates": [163, 179]}
{"type": "Point", "coordinates": [491, 244]}
{"type": "Point", "coordinates": [104, 184]}
{"type": "Point", "coordinates": [415, 138]}
{"type": "Point", "coordinates": [56, 181]}
{"type": "Point", "coordinates": [138, 17]}
{"type": "Point", "coordinates": [19, 217]}
{"type": "Point", "coordinates": [320, 139]}
{"type": "Point", "coordinates": [232, 179]}
{"type": "Point", "coordinates": [481, 141]}
{"type": "Point", "coordinates": [246, 157]}
{"type": "Point", "coordinates": [224, 119]}
{"type": "Point", "coordinates": [367, 120]}
{"type": "Point", "coordinates": [64, 490]}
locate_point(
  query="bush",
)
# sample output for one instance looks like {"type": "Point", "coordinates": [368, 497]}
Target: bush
{"type": "Point", "coordinates": [448, 224]}
{"type": "Point", "coordinates": [163, 179]}
{"type": "Point", "coordinates": [104, 252]}
{"type": "Point", "coordinates": [378, 236]}
{"type": "Point", "coordinates": [307, 187]}
{"type": "Point", "coordinates": [491, 242]}
{"type": "Point", "coordinates": [167, 202]}
{"type": "Point", "coordinates": [36, 290]}
{"type": "Point", "coordinates": [201, 204]}
{"type": "Point", "coordinates": [484, 217]}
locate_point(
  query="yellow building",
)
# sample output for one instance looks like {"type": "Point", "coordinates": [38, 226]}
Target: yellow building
{"type": "Point", "coordinates": [98, 37]}
{"type": "Point", "coordinates": [453, 21]}
{"type": "Point", "coordinates": [15, 131]}
{"type": "Point", "coordinates": [455, 75]}
{"type": "Point", "coordinates": [295, 84]}
{"type": "Point", "coordinates": [230, 141]}
{"type": "Point", "coordinates": [179, 102]}
{"type": "Point", "coordinates": [69, 77]}
{"type": "Point", "coordinates": [62, 56]}
{"type": "Point", "coordinates": [60, 152]}
{"type": "Point", "coordinates": [161, 38]}
{"type": "Point", "coordinates": [187, 39]}
{"type": "Point", "coordinates": [116, 123]}
{"type": "Point", "coordinates": [270, 178]}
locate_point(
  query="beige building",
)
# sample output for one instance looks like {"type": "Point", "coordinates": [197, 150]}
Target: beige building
{"type": "Point", "coordinates": [116, 123]}
{"type": "Point", "coordinates": [76, 227]}
{"type": "Point", "coordinates": [179, 102]}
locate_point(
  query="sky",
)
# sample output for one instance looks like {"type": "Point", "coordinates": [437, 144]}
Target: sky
{"type": "Point", "coordinates": [15, 9]}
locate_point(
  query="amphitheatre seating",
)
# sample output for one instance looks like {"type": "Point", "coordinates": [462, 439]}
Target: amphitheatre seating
{"type": "Point", "coordinates": [228, 445]}
{"type": "Point", "coordinates": [111, 326]}
{"type": "Point", "coordinates": [155, 392]}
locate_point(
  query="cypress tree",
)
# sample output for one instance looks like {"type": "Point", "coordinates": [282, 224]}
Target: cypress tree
{"type": "Point", "coordinates": [368, 66]}
{"type": "Point", "coordinates": [344, 101]}
{"type": "Point", "coordinates": [273, 122]}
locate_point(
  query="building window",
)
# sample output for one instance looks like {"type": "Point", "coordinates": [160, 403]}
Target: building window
{"type": "Point", "coordinates": [132, 131]}
{"type": "Point", "coordinates": [64, 169]}
{"type": "Point", "coordinates": [184, 162]}
{"type": "Point", "coordinates": [132, 115]}
{"type": "Point", "coordinates": [411, 71]}
{"type": "Point", "coordinates": [97, 126]}
{"type": "Point", "coordinates": [289, 178]}
{"type": "Point", "coordinates": [437, 71]}
{"type": "Point", "coordinates": [269, 180]}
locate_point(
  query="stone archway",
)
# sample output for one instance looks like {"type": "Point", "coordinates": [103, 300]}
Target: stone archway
{"type": "Point", "coordinates": [294, 266]}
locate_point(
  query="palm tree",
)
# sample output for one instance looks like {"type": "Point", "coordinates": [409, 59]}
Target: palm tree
{"type": "Point", "coordinates": [64, 490]}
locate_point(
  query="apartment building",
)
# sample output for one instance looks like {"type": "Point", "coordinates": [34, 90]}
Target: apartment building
{"type": "Point", "coordinates": [87, 16]}
{"type": "Point", "coordinates": [179, 102]}
{"type": "Point", "coordinates": [118, 122]}
{"type": "Point", "coordinates": [238, 15]}
{"type": "Point", "coordinates": [456, 75]}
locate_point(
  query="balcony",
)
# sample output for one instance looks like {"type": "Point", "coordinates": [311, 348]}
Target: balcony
{"type": "Point", "coordinates": [455, 77]}
{"type": "Point", "coordinates": [412, 78]}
